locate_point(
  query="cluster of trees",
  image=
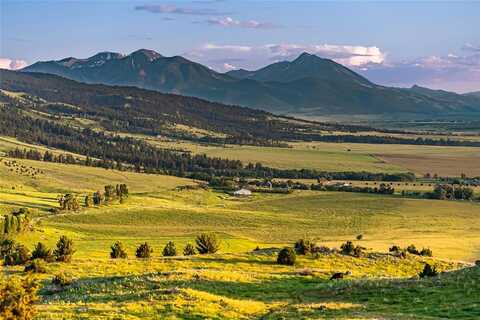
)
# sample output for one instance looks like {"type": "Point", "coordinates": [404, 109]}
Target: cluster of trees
{"type": "Point", "coordinates": [377, 139]}
{"type": "Point", "coordinates": [15, 222]}
{"type": "Point", "coordinates": [402, 252]}
{"type": "Point", "coordinates": [383, 188]}
{"type": "Point", "coordinates": [199, 167]}
{"type": "Point", "coordinates": [14, 253]}
{"type": "Point", "coordinates": [287, 256]}
{"type": "Point", "coordinates": [205, 243]}
{"type": "Point", "coordinates": [118, 192]}
{"type": "Point", "coordinates": [68, 202]}
{"type": "Point", "coordinates": [451, 192]}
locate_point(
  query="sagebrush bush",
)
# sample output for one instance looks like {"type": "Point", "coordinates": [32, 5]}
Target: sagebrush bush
{"type": "Point", "coordinates": [170, 250]}
{"type": "Point", "coordinates": [395, 249]}
{"type": "Point", "coordinates": [189, 250]}
{"type": "Point", "coordinates": [36, 266]}
{"type": "Point", "coordinates": [286, 256]}
{"type": "Point", "coordinates": [207, 243]}
{"type": "Point", "coordinates": [412, 249]}
{"type": "Point", "coordinates": [17, 299]}
{"type": "Point", "coordinates": [42, 252]}
{"type": "Point", "coordinates": [118, 251]}
{"type": "Point", "coordinates": [62, 280]}
{"type": "Point", "coordinates": [14, 254]}
{"type": "Point", "coordinates": [64, 250]}
{"type": "Point", "coordinates": [144, 251]}
{"type": "Point", "coordinates": [358, 251]}
{"type": "Point", "coordinates": [303, 246]}
{"type": "Point", "coordinates": [347, 248]}
{"type": "Point", "coordinates": [426, 252]}
{"type": "Point", "coordinates": [428, 271]}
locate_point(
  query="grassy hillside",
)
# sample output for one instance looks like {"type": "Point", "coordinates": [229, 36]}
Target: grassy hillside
{"type": "Point", "coordinates": [157, 212]}
{"type": "Point", "coordinates": [250, 286]}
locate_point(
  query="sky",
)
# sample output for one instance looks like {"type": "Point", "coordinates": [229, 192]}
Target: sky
{"type": "Point", "coordinates": [397, 43]}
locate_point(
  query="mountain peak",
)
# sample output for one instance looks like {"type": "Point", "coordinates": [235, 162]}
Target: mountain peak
{"type": "Point", "coordinates": [146, 53]}
{"type": "Point", "coordinates": [106, 55]}
{"type": "Point", "coordinates": [305, 56]}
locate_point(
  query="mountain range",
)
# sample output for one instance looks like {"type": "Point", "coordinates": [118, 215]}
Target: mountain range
{"type": "Point", "coordinates": [308, 85]}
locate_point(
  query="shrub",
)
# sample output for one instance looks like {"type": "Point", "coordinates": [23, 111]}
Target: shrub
{"type": "Point", "coordinates": [321, 250]}
{"type": "Point", "coordinates": [286, 256]}
{"type": "Point", "coordinates": [189, 250]}
{"type": "Point", "coordinates": [303, 246]}
{"type": "Point", "coordinates": [64, 250]}
{"type": "Point", "coordinates": [170, 250]}
{"type": "Point", "coordinates": [7, 247]}
{"type": "Point", "coordinates": [42, 252]}
{"type": "Point", "coordinates": [412, 249]}
{"type": "Point", "coordinates": [426, 252]}
{"type": "Point", "coordinates": [428, 271]}
{"type": "Point", "coordinates": [395, 249]}
{"type": "Point", "coordinates": [62, 280]}
{"type": "Point", "coordinates": [358, 251]}
{"type": "Point", "coordinates": [36, 266]}
{"type": "Point", "coordinates": [14, 254]}
{"type": "Point", "coordinates": [347, 248]}
{"type": "Point", "coordinates": [17, 299]}
{"type": "Point", "coordinates": [144, 251]}
{"type": "Point", "coordinates": [118, 251]}
{"type": "Point", "coordinates": [207, 243]}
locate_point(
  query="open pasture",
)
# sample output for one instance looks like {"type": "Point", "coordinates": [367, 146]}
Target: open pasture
{"type": "Point", "coordinates": [323, 156]}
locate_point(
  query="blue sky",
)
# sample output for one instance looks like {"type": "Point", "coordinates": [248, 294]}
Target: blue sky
{"type": "Point", "coordinates": [436, 44]}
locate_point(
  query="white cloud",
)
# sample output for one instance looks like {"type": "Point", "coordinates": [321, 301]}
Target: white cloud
{"type": "Point", "coordinates": [253, 57]}
{"type": "Point", "coordinates": [228, 67]}
{"type": "Point", "coordinates": [233, 48]}
{"type": "Point", "coordinates": [172, 9]}
{"type": "Point", "coordinates": [12, 64]}
{"type": "Point", "coordinates": [230, 22]}
{"type": "Point", "coordinates": [344, 54]}
{"type": "Point", "coordinates": [471, 47]}
{"type": "Point", "coordinates": [454, 72]}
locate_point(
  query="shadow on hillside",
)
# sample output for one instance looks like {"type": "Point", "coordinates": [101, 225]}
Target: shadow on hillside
{"type": "Point", "coordinates": [397, 298]}
{"type": "Point", "coordinates": [24, 204]}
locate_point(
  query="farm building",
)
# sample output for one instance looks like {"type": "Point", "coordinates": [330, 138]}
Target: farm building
{"type": "Point", "coordinates": [242, 193]}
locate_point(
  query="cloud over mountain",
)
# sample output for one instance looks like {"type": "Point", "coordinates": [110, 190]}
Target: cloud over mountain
{"type": "Point", "coordinates": [12, 64]}
{"type": "Point", "coordinates": [257, 56]}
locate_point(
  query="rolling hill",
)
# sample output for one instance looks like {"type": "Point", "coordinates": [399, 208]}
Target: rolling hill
{"type": "Point", "coordinates": [308, 85]}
